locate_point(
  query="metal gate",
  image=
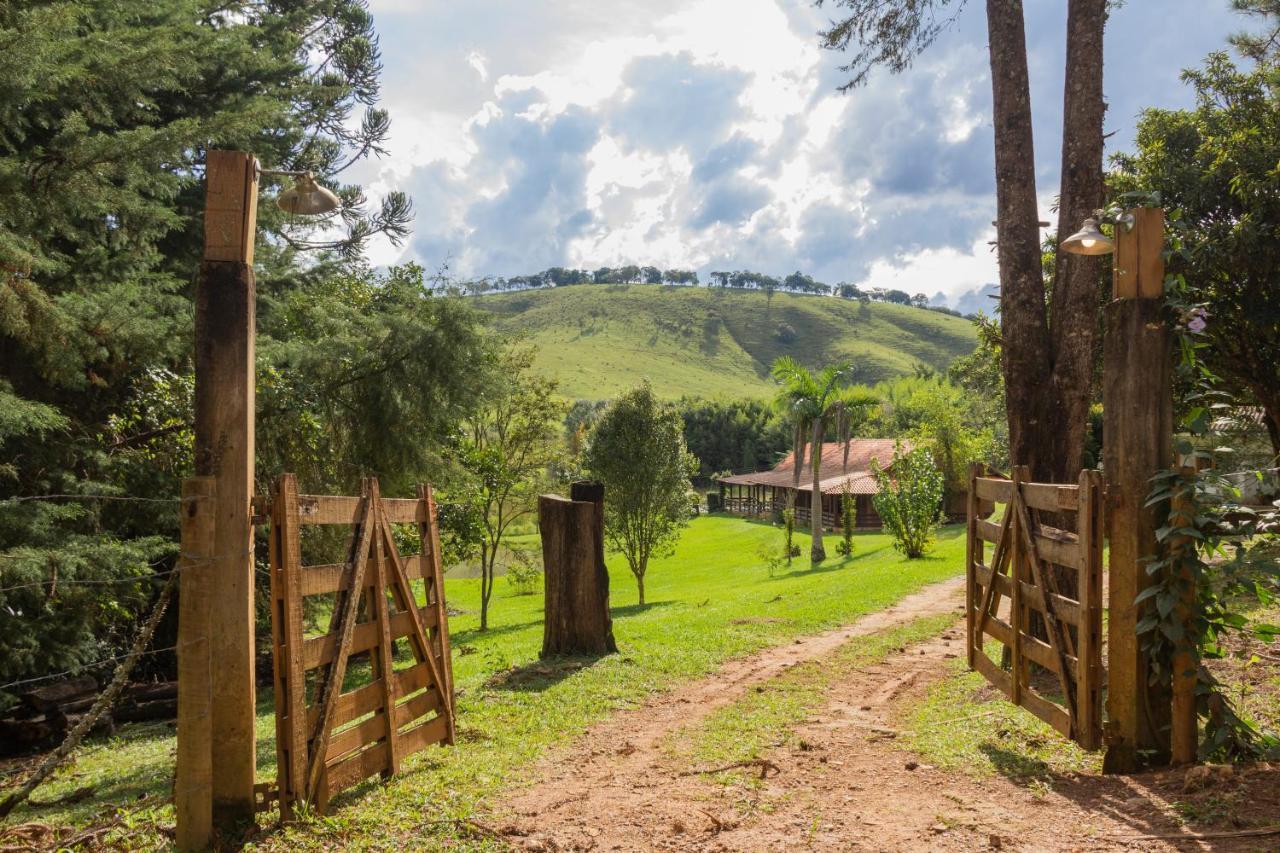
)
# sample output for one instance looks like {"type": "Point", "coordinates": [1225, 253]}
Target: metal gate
{"type": "Point", "coordinates": [1056, 574]}
{"type": "Point", "coordinates": [335, 726]}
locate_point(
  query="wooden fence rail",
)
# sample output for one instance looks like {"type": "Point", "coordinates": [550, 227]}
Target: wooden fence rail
{"type": "Point", "coordinates": [1038, 593]}
{"type": "Point", "coordinates": [343, 732]}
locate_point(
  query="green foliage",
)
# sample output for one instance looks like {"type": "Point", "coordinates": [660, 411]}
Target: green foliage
{"type": "Point", "coordinates": [712, 343]}
{"type": "Point", "coordinates": [789, 529]}
{"type": "Point", "coordinates": [735, 436]}
{"type": "Point", "coordinates": [508, 451]}
{"type": "Point", "coordinates": [524, 572]}
{"type": "Point", "coordinates": [888, 34]}
{"type": "Point", "coordinates": [910, 499]}
{"type": "Point", "coordinates": [848, 520]}
{"type": "Point", "coordinates": [107, 110]}
{"type": "Point", "coordinates": [1214, 167]}
{"type": "Point", "coordinates": [637, 450]}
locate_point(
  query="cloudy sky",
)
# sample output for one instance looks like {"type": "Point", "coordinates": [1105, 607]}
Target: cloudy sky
{"type": "Point", "coordinates": [709, 134]}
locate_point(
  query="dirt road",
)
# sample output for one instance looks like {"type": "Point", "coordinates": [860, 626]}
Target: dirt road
{"type": "Point", "coordinates": [849, 788]}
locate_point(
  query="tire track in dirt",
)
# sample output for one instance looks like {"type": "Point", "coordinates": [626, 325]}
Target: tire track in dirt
{"type": "Point", "coordinates": [844, 786]}
{"type": "Point", "coordinates": [584, 792]}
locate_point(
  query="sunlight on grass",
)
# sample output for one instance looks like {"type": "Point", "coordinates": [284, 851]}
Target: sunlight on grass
{"type": "Point", "coordinates": [706, 601]}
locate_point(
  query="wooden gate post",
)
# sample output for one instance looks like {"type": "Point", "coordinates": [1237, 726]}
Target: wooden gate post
{"type": "Point", "coordinates": [224, 446]}
{"type": "Point", "coordinates": [193, 778]}
{"type": "Point", "coordinates": [1137, 442]}
{"type": "Point", "coordinates": [576, 597]}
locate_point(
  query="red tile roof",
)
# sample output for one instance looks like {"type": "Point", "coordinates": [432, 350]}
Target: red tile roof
{"type": "Point", "coordinates": [834, 475]}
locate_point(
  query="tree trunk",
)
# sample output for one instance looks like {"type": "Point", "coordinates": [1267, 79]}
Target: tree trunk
{"type": "Point", "coordinates": [1074, 306]}
{"type": "Point", "coordinates": [1023, 325]}
{"type": "Point", "coordinates": [640, 586]}
{"type": "Point", "coordinates": [486, 586]}
{"type": "Point", "coordinates": [1048, 361]}
{"type": "Point", "coordinates": [576, 604]}
{"type": "Point", "coordinates": [817, 553]}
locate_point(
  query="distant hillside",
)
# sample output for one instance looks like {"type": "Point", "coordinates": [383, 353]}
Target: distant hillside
{"type": "Point", "coordinates": [716, 343]}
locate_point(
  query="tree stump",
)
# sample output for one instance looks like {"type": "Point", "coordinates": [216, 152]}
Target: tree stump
{"type": "Point", "coordinates": [576, 604]}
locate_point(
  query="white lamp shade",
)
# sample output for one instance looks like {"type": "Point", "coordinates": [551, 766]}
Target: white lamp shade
{"type": "Point", "coordinates": [1089, 240]}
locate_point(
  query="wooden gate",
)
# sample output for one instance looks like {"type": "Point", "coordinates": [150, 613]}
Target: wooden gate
{"type": "Point", "coordinates": [1037, 568]}
{"type": "Point", "coordinates": [336, 726]}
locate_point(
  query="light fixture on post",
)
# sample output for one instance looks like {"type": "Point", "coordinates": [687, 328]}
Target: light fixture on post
{"type": "Point", "coordinates": [216, 749]}
{"type": "Point", "coordinates": [1089, 240]}
{"type": "Point", "coordinates": [305, 197]}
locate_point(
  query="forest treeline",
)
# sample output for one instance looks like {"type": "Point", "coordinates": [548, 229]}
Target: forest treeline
{"type": "Point", "coordinates": [796, 282]}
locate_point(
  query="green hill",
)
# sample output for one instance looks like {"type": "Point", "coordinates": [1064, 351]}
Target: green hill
{"type": "Point", "coordinates": [598, 340]}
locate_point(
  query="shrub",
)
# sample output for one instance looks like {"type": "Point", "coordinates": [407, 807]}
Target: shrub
{"type": "Point", "coordinates": [789, 525]}
{"type": "Point", "coordinates": [910, 500]}
{"type": "Point", "coordinates": [848, 518]}
{"type": "Point", "coordinates": [524, 573]}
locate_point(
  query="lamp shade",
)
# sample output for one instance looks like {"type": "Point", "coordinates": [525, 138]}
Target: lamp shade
{"type": "Point", "coordinates": [307, 198]}
{"type": "Point", "coordinates": [1089, 240]}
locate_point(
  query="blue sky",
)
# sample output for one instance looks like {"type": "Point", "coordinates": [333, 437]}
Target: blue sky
{"type": "Point", "coordinates": [708, 134]}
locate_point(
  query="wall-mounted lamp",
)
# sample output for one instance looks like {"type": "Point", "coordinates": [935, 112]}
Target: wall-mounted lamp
{"type": "Point", "coordinates": [305, 197]}
{"type": "Point", "coordinates": [1089, 240]}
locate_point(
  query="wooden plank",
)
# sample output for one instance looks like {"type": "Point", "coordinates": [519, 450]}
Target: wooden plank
{"type": "Point", "coordinates": [1050, 712]}
{"type": "Point", "coordinates": [365, 699]}
{"type": "Point", "coordinates": [1001, 558]}
{"type": "Point", "coordinates": [403, 594]}
{"type": "Point", "coordinates": [993, 673]}
{"type": "Point", "coordinates": [230, 206]}
{"type": "Point", "coordinates": [355, 736]}
{"type": "Point", "coordinates": [1138, 425]}
{"type": "Point", "coordinates": [997, 491]}
{"type": "Point", "coordinates": [1017, 613]}
{"type": "Point", "coordinates": [193, 776]}
{"type": "Point", "coordinates": [999, 629]}
{"type": "Point", "coordinates": [1038, 651]}
{"type": "Point", "coordinates": [333, 577]}
{"type": "Point", "coordinates": [1051, 497]}
{"type": "Point", "coordinates": [346, 612]}
{"type": "Point", "coordinates": [987, 531]}
{"type": "Point", "coordinates": [337, 509]}
{"type": "Point", "coordinates": [382, 543]}
{"type": "Point", "coordinates": [1089, 620]}
{"type": "Point", "coordinates": [290, 674]}
{"type": "Point", "coordinates": [356, 769]}
{"type": "Point", "coordinates": [1059, 640]}
{"type": "Point", "coordinates": [1059, 549]}
{"type": "Point", "coordinates": [435, 730]}
{"type": "Point", "coordinates": [426, 702]}
{"type": "Point", "coordinates": [318, 651]}
{"type": "Point", "coordinates": [973, 556]}
{"type": "Point", "coordinates": [433, 573]}
{"type": "Point", "coordinates": [987, 576]}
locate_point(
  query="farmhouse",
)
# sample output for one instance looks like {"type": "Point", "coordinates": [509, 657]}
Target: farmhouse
{"type": "Point", "coordinates": [767, 492]}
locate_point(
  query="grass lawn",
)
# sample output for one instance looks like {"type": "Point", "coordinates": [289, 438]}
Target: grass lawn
{"type": "Point", "coordinates": [512, 709]}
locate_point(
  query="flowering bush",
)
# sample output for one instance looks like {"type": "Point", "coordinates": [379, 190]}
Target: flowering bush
{"type": "Point", "coordinates": [910, 499]}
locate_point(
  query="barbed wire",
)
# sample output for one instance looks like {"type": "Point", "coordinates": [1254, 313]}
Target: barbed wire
{"type": "Point", "coordinates": [189, 562]}
{"type": "Point", "coordinates": [83, 667]}
{"type": "Point", "coordinates": [27, 498]}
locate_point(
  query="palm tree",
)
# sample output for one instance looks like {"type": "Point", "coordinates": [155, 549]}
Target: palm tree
{"type": "Point", "coordinates": [810, 401]}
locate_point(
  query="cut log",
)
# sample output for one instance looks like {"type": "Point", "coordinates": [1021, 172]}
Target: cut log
{"type": "Point", "coordinates": [576, 604]}
{"type": "Point", "coordinates": [53, 695]}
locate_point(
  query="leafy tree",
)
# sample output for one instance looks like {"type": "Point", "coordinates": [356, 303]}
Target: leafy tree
{"type": "Point", "coordinates": [508, 451]}
{"type": "Point", "coordinates": [1216, 163]}
{"type": "Point", "coordinates": [741, 435]}
{"type": "Point", "coordinates": [813, 402]}
{"type": "Point", "coordinates": [651, 275]}
{"type": "Point", "coordinates": [107, 110]}
{"type": "Point", "coordinates": [637, 450]}
{"type": "Point", "coordinates": [910, 499]}
{"type": "Point", "coordinates": [1048, 343]}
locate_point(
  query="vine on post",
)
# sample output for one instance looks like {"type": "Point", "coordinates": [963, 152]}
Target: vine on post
{"type": "Point", "coordinates": [1206, 561]}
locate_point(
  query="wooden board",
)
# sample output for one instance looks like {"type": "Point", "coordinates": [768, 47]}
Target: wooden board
{"type": "Point", "coordinates": [348, 735]}
{"type": "Point", "coordinates": [1018, 570]}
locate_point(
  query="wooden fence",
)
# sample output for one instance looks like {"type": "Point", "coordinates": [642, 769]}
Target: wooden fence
{"type": "Point", "coordinates": [332, 733]}
{"type": "Point", "coordinates": [1038, 593]}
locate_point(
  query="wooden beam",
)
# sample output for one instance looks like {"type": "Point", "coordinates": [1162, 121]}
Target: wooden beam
{"type": "Point", "coordinates": [1138, 430]}
{"type": "Point", "coordinates": [230, 206]}
{"type": "Point", "coordinates": [224, 450]}
{"type": "Point", "coordinates": [193, 778]}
